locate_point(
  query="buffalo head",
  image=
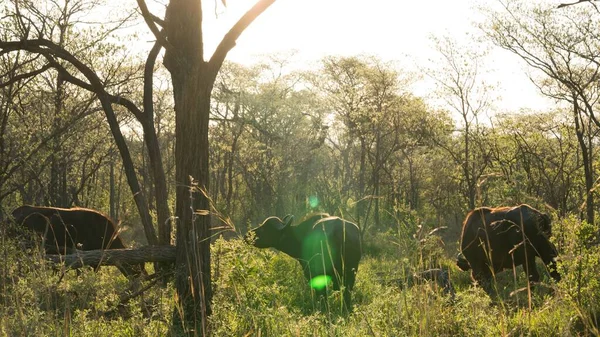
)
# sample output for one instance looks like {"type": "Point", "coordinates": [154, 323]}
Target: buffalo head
{"type": "Point", "coordinates": [270, 232]}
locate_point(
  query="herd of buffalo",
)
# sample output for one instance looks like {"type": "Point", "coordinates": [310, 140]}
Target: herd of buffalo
{"type": "Point", "coordinates": [327, 247]}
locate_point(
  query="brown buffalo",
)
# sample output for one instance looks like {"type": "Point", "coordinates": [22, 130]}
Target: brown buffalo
{"type": "Point", "coordinates": [63, 230]}
{"type": "Point", "coordinates": [494, 239]}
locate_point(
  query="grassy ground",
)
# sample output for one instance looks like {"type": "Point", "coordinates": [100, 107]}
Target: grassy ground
{"type": "Point", "coordinates": [263, 293]}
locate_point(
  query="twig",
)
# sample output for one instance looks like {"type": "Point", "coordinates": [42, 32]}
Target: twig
{"type": "Point", "coordinates": [580, 1]}
{"type": "Point", "coordinates": [154, 278]}
{"type": "Point", "coordinates": [125, 299]}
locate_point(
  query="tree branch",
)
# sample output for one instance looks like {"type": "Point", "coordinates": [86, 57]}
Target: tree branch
{"type": "Point", "coordinates": [151, 22]}
{"type": "Point", "coordinates": [234, 33]}
{"type": "Point", "coordinates": [20, 77]}
{"type": "Point", "coordinates": [129, 105]}
{"type": "Point", "coordinates": [48, 49]}
{"type": "Point", "coordinates": [578, 2]}
{"type": "Point", "coordinates": [158, 20]}
{"type": "Point", "coordinates": [148, 82]}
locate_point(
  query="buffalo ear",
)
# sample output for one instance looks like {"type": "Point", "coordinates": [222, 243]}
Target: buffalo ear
{"type": "Point", "coordinates": [287, 220]}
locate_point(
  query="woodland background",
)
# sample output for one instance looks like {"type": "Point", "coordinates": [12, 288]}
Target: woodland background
{"type": "Point", "coordinates": [347, 136]}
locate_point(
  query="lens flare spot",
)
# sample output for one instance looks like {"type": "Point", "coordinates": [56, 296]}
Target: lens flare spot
{"type": "Point", "coordinates": [313, 201]}
{"type": "Point", "coordinates": [320, 282]}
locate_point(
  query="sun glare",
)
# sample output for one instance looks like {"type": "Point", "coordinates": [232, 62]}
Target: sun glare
{"type": "Point", "coordinates": [320, 282]}
{"type": "Point", "coordinates": [391, 30]}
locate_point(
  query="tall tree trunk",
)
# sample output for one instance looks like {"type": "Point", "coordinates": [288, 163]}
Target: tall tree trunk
{"type": "Point", "coordinates": [376, 180]}
{"type": "Point", "coordinates": [161, 195]}
{"type": "Point", "coordinates": [229, 162]}
{"type": "Point", "coordinates": [138, 194]}
{"type": "Point", "coordinates": [54, 190]}
{"type": "Point", "coordinates": [64, 194]}
{"type": "Point", "coordinates": [185, 62]}
{"type": "Point", "coordinates": [586, 154]}
{"type": "Point", "coordinates": [193, 80]}
{"type": "Point", "coordinates": [589, 177]}
{"type": "Point", "coordinates": [412, 181]}
{"type": "Point", "coordinates": [230, 156]}
{"type": "Point", "coordinates": [193, 283]}
{"type": "Point", "coordinates": [469, 177]}
{"type": "Point", "coordinates": [361, 183]}
{"type": "Point", "coordinates": [112, 197]}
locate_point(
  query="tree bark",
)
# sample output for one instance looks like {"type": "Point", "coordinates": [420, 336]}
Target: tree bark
{"type": "Point", "coordinates": [377, 179]}
{"type": "Point", "coordinates": [193, 80]}
{"type": "Point", "coordinates": [185, 62]}
{"type": "Point", "coordinates": [469, 177]}
{"type": "Point", "coordinates": [362, 171]}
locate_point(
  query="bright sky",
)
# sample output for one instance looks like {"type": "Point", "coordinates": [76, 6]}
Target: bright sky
{"type": "Point", "coordinates": [320, 27]}
{"type": "Point", "coordinates": [391, 29]}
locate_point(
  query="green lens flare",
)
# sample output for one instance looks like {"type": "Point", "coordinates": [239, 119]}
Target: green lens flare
{"type": "Point", "coordinates": [313, 201]}
{"type": "Point", "coordinates": [320, 282]}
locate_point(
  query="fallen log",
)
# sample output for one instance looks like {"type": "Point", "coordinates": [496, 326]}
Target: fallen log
{"type": "Point", "coordinates": [115, 257]}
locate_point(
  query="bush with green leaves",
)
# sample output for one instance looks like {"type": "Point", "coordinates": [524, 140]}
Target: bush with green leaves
{"type": "Point", "coordinates": [579, 266]}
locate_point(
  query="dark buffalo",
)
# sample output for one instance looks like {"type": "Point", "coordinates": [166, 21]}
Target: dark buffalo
{"type": "Point", "coordinates": [63, 230]}
{"type": "Point", "coordinates": [494, 239]}
{"type": "Point", "coordinates": [327, 247]}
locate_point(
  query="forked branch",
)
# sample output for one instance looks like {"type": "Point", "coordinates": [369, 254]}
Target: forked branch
{"type": "Point", "coordinates": [234, 33]}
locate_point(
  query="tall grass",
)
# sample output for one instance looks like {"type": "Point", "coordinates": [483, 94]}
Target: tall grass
{"type": "Point", "coordinates": [264, 293]}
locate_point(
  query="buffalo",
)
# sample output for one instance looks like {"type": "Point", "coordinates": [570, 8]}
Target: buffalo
{"type": "Point", "coordinates": [494, 239]}
{"type": "Point", "coordinates": [327, 247]}
{"type": "Point", "coordinates": [64, 230]}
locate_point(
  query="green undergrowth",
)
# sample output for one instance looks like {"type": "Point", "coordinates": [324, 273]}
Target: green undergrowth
{"type": "Point", "coordinates": [262, 292]}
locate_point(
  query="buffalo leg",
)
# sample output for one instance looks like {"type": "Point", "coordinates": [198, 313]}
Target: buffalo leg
{"type": "Point", "coordinates": [347, 298]}
{"type": "Point", "coordinates": [530, 268]}
{"type": "Point", "coordinates": [483, 277]}
{"type": "Point", "coordinates": [349, 279]}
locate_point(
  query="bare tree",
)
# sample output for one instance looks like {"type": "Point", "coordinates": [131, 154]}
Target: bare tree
{"type": "Point", "coordinates": [459, 83]}
{"type": "Point", "coordinates": [563, 47]}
